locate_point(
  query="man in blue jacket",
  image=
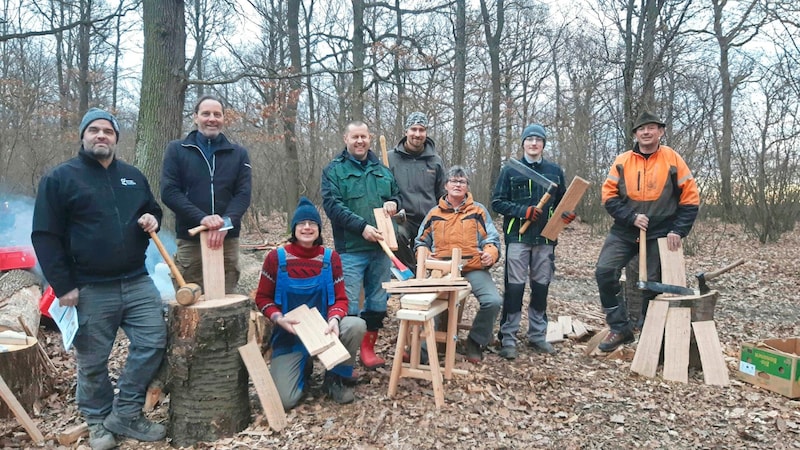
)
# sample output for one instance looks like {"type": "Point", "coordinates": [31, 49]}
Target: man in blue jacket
{"type": "Point", "coordinates": [91, 222]}
{"type": "Point", "coordinates": [353, 184]}
{"type": "Point", "coordinates": [205, 178]}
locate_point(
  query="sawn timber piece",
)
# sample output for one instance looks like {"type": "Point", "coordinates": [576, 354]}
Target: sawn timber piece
{"type": "Point", "coordinates": [577, 188]}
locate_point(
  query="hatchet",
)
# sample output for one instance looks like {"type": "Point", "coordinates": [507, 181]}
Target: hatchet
{"type": "Point", "coordinates": [399, 270]}
{"type": "Point", "coordinates": [654, 285]}
{"type": "Point", "coordinates": [227, 225]}
{"type": "Point", "coordinates": [703, 277]}
{"type": "Point", "coordinates": [537, 178]}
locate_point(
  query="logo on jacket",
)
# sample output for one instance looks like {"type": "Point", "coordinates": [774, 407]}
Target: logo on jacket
{"type": "Point", "coordinates": [126, 182]}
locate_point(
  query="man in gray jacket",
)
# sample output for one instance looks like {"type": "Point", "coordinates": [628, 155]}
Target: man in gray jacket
{"type": "Point", "coordinates": [419, 173]}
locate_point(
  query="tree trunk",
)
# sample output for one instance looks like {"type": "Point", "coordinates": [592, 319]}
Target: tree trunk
{"type": "Point", "coordinates": [163, 85]}
{"type": "Point", "coordinates": [206, 378]}
{"type": "Point", "coordinates": [290, 109]}
{"type": "Point", "coordinates": [359, 54]}
{"type": "Point", "coordinates": [459, 83]}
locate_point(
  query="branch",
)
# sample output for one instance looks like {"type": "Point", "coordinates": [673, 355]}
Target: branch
{"type": "Point", "coordinates": [69, 26]}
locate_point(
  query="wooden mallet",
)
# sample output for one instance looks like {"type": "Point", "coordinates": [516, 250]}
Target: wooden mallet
{"type": "Point", "coordinates": [187, 293]}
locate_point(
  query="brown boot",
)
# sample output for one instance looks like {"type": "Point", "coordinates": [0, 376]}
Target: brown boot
{"type": "Point", "coordinates": [368, 357]}
{"type": "Point", "coordinates": [614, 340]}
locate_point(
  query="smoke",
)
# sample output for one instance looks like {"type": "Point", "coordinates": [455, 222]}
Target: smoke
{"type": "Point", "coordinates": [16, 219]}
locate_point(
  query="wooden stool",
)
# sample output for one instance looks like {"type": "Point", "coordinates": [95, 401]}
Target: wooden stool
{"type": "Point", "coordinates": [417, 323]}
{"type": "Point", "coordinates": [673, 320]}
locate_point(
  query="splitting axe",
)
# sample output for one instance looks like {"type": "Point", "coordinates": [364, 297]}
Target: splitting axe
{"type": "Point", "coordinates": [537, 178]}
{"type": "Point", "coordinates": [227, 225]}
{"type": "Point", "coordinates": [187, 293]}
{"type": "Point", "coordinates": [703, 277]}
{"type": "Point", "coordinates": [654, 285]}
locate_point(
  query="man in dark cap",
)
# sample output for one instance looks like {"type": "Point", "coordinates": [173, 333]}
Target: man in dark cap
{"type": "Point", "coordinates": [648, 188]}
{"type": "Point", "coordinates": [91, 222]}
{"type": "Point", "coordinates": [529, 256]}
{"type": "Point", "coordinates": [420, 176]}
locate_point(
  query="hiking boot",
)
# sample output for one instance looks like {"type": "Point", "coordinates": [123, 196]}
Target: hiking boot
{"type": "Point", "coordinates": [614, 340]}
{"type": "Point", "coordinates": [340, 393]}
{"type": "Point", "coordinates": [508, 352]}
{"type": "Point", "coordinates": [542, 347]}
{"type": "Point", "coordinates": [473, 351]}
{"type": "Point", "coordinates": [137, 427]}
{"type": "Point", "coordinates": [100, 438]}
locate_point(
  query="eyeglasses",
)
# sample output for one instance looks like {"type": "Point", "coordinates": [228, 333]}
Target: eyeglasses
{"type": "Point", "coordinates": [306, 223]}
{"type": "Point", "coordinates": [534, 139]}
{"type": "Point", "coordinates": [459, 182]}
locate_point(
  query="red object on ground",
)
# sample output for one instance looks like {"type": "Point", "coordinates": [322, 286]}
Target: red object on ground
{"type": "Point", "coordinates": [12, 258]}
{"type": "Point", "coordinates": [47, 299]}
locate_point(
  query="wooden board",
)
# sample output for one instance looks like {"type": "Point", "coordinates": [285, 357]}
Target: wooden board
{"type": "Point", "coordinates": [676, 344]}
{"type": "Point", "coordinates": [645, 361]}
{"type": "Point", "coordinates": [20, 413]}
{"type": "Point", "coordinates": [579, 329]}
{"type": "Point", "coordinates": [265, 386]}
{"type": "Point", "coordinates": [334, 355]}
{"type": "Point", "coordinates": [386, 227]}
{"type": "Point", "coordinates": [570, 200]}
{"type": "Point", "coordinates": [591, 346]}
{"type": "Point", "coordinates": [213, 269]}
{"type": "Point", "coordinates": [311, 329]}
{"type": "Point", "coordinates": [427, 282]}
{"type": "Point", "coordinates": [565, 322]}
{"type": "Point", "coordinates": [715, 371]}
{"type": "Point", "coordinates": [554, 332]}
{"type": "Point", "coordinates": [73, 433]}
{"type": "Point", "coordinates": [673, 265]}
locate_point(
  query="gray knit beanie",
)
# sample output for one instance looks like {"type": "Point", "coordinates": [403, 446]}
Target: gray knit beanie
{"type": "Point", "coordinates": [97, 114]}
{"type": "Point", "coordinates": [416, 118]}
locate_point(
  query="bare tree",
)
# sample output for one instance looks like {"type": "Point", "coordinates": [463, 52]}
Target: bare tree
{"type": "Point", "coordinates": [493, 40]}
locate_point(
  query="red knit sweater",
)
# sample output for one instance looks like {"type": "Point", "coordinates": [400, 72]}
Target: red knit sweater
{"type": "Point", "coordinates": [301, 262]}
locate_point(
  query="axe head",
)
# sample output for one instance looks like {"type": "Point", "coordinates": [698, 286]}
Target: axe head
{"type": "Point", "coordinates": [664, 288]}
{"type": "Point", "coordinates": [701, 283]}
{"type": "Point", "coordinates": [227, 224]}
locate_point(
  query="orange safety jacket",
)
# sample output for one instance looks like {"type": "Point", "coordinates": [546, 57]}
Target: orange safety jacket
{"type": "Point", "coordinates": [660, 186]}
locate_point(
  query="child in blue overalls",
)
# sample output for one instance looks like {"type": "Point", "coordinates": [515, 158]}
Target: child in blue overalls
{"type": "Point", "coordinates": [305, 272]}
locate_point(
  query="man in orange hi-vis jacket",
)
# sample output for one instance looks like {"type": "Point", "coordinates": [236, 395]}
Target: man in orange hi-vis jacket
{"type": "Point", "coordinates": [648, 188]}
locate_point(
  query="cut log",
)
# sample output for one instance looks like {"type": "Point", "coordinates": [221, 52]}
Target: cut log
{"type": "Point", "coordinates": [207, 379]}
{"type": "Point", "coordinates": [19, 295]}
{"type": "Point", "coordinates": [21, 367]}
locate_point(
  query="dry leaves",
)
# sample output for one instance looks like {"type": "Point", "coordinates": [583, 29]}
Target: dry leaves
{"type": "Point", "coordinates": [536, 401]}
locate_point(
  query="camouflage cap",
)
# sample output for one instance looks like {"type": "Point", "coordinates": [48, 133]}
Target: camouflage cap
{"type": "Point", "coordinates": [416, 118]}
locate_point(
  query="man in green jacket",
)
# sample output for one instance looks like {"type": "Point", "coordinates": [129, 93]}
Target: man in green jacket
{"type": "Point", "coordinates": [353, 184]}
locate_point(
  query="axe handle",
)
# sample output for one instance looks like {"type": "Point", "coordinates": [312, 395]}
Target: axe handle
{"type": "Point", "coordinates": [164, 254]}
{"type": "Point", "coordinates": [716, 273]}
{"type": "Point", "coordinates": [539, 205]}
{"type": "Point", "coordinates": [384, 153]}
{"type": "Point", "coordinates": [197, 229]}
{"type": "Point", "coordinates": [642, 255]}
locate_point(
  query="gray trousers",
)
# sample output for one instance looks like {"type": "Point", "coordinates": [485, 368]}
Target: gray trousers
{"type": "Point", "coordinates": [526, 263]}
{"type": "Point", "coordinates": [484, 289]}
{"type": "Point", "coordinates": [287, 370]}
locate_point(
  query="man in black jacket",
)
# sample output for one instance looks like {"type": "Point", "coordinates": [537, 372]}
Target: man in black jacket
{"type": "Point", "coordinates": [91, 222]}
{"type": "Point", "coordinates": [205, 178]}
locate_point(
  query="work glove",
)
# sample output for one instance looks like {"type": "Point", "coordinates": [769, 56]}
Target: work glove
{"type": "Point", "coordinates": [533, 213]}
{"type": "Point", "coordinates": [567, 217]}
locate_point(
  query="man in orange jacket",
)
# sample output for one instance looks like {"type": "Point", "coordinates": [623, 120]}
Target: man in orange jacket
{"type": "Point", "coordinates": [648, 188]}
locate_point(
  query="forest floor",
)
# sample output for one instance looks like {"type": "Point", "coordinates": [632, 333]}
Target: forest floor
{"type": "Point", "coordinates": [566, 400]}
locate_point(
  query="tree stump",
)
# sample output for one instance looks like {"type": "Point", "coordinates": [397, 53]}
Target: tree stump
{"type": "Point", "coordinates": [207, 379]}
{"type": "Point", "coordinates": [21, 368]}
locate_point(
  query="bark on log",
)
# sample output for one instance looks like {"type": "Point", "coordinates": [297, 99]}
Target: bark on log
{"type": "Point", "coordinates": [207, 380]}
{"type": "Point", "coordinates": [19, 297]}
{"type": "Point", "coordinates": [21, 368]}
